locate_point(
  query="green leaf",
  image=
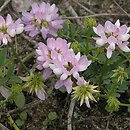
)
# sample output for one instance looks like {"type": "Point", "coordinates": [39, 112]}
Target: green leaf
{"type": "Point", "coordinates": [15, 79]}
{"type": "Point", "coordinates": [129, 109]}
{"type": "Point", "coordinates": [20, 122]}
{"type": "Point", "coordinates": [23, 115]}
{"type": "Point", "coordinates": [52, 116]}
{"type": "Point", "coordinates": [19, 100]}
{"type": "Point", "coordinates": [46, 122]}
{"type": "Point", "coordinates": [10, 71]}
{"type": "Point", "coordinates": [63, 89]}
{"type": "Point", "coordinates": [3, 54]}
{"type": "Point", "coordinates": [3, 81]}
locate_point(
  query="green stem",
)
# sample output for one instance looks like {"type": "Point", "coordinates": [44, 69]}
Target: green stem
{"type": "Point", "coordinates": [12, 122]}
{"type": "Point", "coordinates": [18, 58]}
{"type": "Point", "coordinates": [113, 89]}
{"type": "Point", "coordinates": [103, 71]}
{"type": "Point", "coordinates": [29, 56]}
{"type": "Point", "coordinates": [125, 105]}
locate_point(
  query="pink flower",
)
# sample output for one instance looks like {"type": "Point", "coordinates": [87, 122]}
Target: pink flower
{"type": "Point", "coordinates": [43, 18]}
{"type": "Point", "coordinates": [9, 28]}
{"type": "Point", "coordinates": [67, 67]}
{"type": "Point", "coordinates": [112, 35]}
{"type": "Point", "coordinates": [53, 50]}
{"type": "Point", "coordinates": [67, 83]}
{"type": "Point", "coordinates": [59, 58]}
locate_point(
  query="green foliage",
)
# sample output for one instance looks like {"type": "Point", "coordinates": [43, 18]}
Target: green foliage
{"type": "Point", "coordinates": [16, 89]}
{"type": "Point", "coordinates": [120, 74]}
{"type": "Point", "coordinates": [19, 100]}
{"type": "Point", "coordinates": [52, 116]}
{"type": "Point", "coordinates": [20, 122]}
{"type": "Point", "coordinates": [23, 115]}
{"type": "Point", "coordinates": [7, 76]}
{"type": "Point", "coordinates": [22, 118]}
{"type": "Point", "coordinates": [3, 56]}
{"type": "Point", "coordinates": [112, 104]}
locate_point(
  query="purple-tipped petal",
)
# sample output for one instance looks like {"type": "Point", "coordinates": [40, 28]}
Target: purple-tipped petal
{"type": "Point", "coordinates": [41, 94]}
{"type": "Point", "coordinates": [110, 27]}
{"type": "Point", "coordinates": [124, 47]}
{"type": "Point", "coordinates": [68, 84]}
{"type": "Point", "coordinates": [8, 20]}
{"type": "Point", "coordinates": [46, 73]}
{"type": "Point", "coordinates": [83, 63]}
{"type": "Point", "coordinates": [59, 84]}
{"type": "Point", "coordinates": [112, 39]}
{"type": "Point", "coordinates": [2, 21]}
{"type": "Point", "coordinates": [81, 81]}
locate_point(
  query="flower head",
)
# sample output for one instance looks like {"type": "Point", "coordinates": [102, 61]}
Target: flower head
{"type": "Point", "coordinates": [34, 83]}
{"type": "Point", "coordinates": [84, 92]}
{"type": "Point", "coordinates": [69, 66]}
{"type": "Point", "coordinates": [113, 104]}
{"type": "Point", "coordinates": [47, 53]}
{"type": "Point", "coordinates": [120, 74]}
{"type": "Point", "coordinates": [43, 18]}
{"type": "Point", "coordinates": [9, 28]}
{"type": "Point", "coordinates": [59, 58]}
{"type": "Point", "coordinates": [111, 35]}
{"type": "Point", "coordinates": [90, 22]}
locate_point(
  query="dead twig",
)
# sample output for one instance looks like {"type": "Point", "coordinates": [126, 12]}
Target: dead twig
{"type": "Point", "coordinates": [71, 10]}
{"type": "Point", "coordinates": [95, 15]}
{"type": "Point", "coordinates": [2, 127]}
{"type": "Point", "coordinates": [82, 6]}
{"type": "Point", "coordinates": [70, 113]}
{"type": "Point", "coordinates": [108, 122]}
{"type": "Point", "coordinates": [121, 8]}
{"type": "Point", "coordinates": [27, 106]}
{"type": "Point", "coordinates": [4, 5]}
{"type": "Point", "coordinates": [29, 39]}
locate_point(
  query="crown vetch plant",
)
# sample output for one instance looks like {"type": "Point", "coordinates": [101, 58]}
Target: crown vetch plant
{"type": "Point", "coordinates": [9, 28]}
{"type": "Point", "coordinates": [81, 67]}
{"type": "Point", "coordinates": [42, 19]}
{"type": "Point", "coordinates": [64, 63]}
{"type": "Point", "coordinates": [111, 35]}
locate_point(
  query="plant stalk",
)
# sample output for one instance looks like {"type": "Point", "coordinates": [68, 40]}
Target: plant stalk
{"type": "Point", "coordinates": [18, 58]}
{"type": "Point", "coordinates": [12, 122]}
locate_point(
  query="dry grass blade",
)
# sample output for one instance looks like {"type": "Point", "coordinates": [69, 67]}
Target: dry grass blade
{"type": "Point", "coordinates": [82, 6]}
{"type": "Point", "coordinates": [121, 8]}
{"type": "Point", "coordinates": [4, 5]}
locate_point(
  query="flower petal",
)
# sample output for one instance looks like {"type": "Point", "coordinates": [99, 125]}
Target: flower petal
{"type": "Point", "coordinates": [68, 84]}
{"type": "Point", "coordinates": [59, 84]}
{"type": "Point", "coordinates": [41, 94]}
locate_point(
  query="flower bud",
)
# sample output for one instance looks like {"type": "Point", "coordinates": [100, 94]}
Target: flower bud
{"type": "Point", "coordinates": [76, 46]}
{"type": "Point", "coordinates": [84, 93]}
{"type": "Point", "coordinates": [112, 104]}
{"type": "Point", "coordinates": [35, 83]}
{"type": "Point", "coordinates": [120, 74]}
{"type": "Point", "coordinates": [90, 22]}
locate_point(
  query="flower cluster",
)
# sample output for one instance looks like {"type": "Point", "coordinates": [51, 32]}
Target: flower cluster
{"type": "Point", "coordinates": [9, 28]}
{"type": "Point", "coordinates": [59, 58]}
{"type": "Point", "coordinates": [84, 92]}
{"type": "Point", "coordinates": [112, 35]}
{"type": "Point", "coordinates": [43, 18]}
{"type": "Point", "coordinates": [35, 83]}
